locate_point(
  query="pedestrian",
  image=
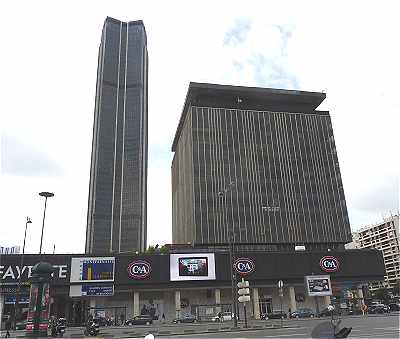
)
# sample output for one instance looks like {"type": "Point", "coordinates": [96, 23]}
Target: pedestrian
{"type": "Point", "coordinates": [8, 328]}
{"type": "Point", "coordinates": [163, 318]}
{"type": "Point", "coordinates": [290, 313]}
{"type": "Point", "coordinates": [364, 309]}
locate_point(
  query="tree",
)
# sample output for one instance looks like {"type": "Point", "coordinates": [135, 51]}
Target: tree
{"type": "Point", "coordinates": [396, 288]}
{"type": "Point", "coordinates": [150, 250]}
{"type": "Point", "coordinates": [382, 294]}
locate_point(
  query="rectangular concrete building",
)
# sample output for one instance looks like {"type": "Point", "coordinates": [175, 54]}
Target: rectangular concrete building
{"type": "Point", "coordinates": [257, 164]}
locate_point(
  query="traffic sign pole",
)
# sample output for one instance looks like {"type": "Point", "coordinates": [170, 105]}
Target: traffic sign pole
{"type": "Point", "coordinates": [244, 296]}
{"type": "Point", "coordinates": [280, 287]}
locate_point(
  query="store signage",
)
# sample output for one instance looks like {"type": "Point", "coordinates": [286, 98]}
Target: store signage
{"type": "Point", "coordinates": [244, 266]}
{"type": "Point", "coordinates": [97, 290]}
{"type": "Point", "coordinates": [12, 272]}
{"type": "Point", "coordinates": [9, 250]}
{"type": "Point", "coordinates": [329, 264]}
{"type": "Point", "coordinates": [139, 269]}
{"type": "Point", "coordinates": [23, 299]}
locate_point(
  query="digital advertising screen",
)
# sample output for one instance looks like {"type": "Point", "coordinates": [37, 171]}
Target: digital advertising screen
{"type": "Point", "coordinates": [189, 267]}
{"type": "Point", "coordinates": [318, 285]}
{"type": "Point", "coordinates": [198, 266]}
{"type": "Point", "coordinates": [92, 269]}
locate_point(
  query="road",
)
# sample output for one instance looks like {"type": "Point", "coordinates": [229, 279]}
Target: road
{"type": "Point", "coordinates": [362, 327]}
{"type": "Point", "coordinates": [372, 326]}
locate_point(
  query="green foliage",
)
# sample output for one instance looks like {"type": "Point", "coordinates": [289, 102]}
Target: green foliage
{"type": "Point", "coordinates": [150, 250]}
{"type": "Point", "coordinates": [157, 250]}
{"type": "Point", "coordinates": [382, 294]}
{"type": "Point", "coordinates": [396, 288]}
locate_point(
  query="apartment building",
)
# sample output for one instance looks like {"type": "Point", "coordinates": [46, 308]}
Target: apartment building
{"type": "Point", "coordinates": [383, 236]}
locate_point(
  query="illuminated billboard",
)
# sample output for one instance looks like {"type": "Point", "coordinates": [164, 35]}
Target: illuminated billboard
{"type": "Point", "coordinates": [318, 285]}
{"type": "Point", "coordinates": [92, 269]}
{"type": "Point", "coordinates": [199, 266]}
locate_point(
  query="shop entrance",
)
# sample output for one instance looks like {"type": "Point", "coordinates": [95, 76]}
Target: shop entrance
{"type": "Point", "coordinates": [265, 305]}
{"type": "Point", "coordinates": [207, 312]}
{"type": "Point", "coordinates": [108, 316]}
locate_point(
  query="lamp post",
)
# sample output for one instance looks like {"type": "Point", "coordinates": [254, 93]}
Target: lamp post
{"type": "Point", "coordinates": [46, 195]}
{"type": "Point", "coordinates": [231, 241]}
{"type": "Point", "coordinates": [21, 266]}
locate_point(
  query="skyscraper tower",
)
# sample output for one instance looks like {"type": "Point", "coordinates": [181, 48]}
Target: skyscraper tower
{"type": "Point", "coordinates": [117, 204]}
{"type": "Point", "coordinates": [258, 165]}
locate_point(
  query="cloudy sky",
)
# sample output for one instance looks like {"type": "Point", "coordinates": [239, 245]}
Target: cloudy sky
{"type": "Point", "coordinates": [48, 66]}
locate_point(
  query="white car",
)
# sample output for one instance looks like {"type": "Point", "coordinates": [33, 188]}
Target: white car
{"type": "Point", "coordinates": [224, 316]}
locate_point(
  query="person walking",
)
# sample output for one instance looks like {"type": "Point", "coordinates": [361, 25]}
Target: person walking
{"type": "Point", "coordinates": [8, 328]}
{"type": "Point", "coordinates": [163, 318]}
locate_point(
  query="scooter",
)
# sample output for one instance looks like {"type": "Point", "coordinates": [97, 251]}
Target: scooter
{"type": "Point", "coordinates": [60, 330]}
{"type": "Point", "coordinates": [92, 330]}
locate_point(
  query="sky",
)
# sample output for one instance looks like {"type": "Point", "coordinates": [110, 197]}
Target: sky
{"type": "Point", "coordinates": [48, 64]}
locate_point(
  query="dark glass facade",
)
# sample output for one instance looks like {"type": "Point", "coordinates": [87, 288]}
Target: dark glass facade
{"type": "Point", "coordinates": [260, 164]}
{"type": "Point", "coordinates": [117, 204]}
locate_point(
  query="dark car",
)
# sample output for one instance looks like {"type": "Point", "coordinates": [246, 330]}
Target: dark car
{"type": "Point", "coordinates": [394, 306]}
{"type": "Point", "coordinates": [327, 313]}
{"type": "Point", "coordinates": [140, 320]}
{"type": "Point", "coordinates": [188, 318]}
{"type": "Point", "coordinates": [303, 313]}
{"type": "Point", "coordinates": [273, 315]}
{"type": "Point", "coordinates": [21, 325]}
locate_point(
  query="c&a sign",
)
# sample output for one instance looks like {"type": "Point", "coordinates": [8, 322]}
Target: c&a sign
{"type": "Point", "coordinates": [244, 266]}
{"type": "Point", "coordinates": [139, 269]}
{"type": "Point", "coordinates": [329, 264]}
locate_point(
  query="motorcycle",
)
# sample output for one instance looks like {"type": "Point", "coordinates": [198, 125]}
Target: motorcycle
{"type": "Point", "coordinates": [92, 329]}
{"type": "Point", "coordinates": [61, 327]}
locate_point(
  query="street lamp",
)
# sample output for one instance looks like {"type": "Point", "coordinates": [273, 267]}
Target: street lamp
{"type": "Point", "coordinates": [46, 195]}
{"type": "Point", "coordinates": [231, 241]}
{"type": "Point", "coordinates": [21, 266]}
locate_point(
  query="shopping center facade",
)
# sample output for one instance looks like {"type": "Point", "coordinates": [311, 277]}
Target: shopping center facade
{"type": "Point", "coordinates": [194, 282]}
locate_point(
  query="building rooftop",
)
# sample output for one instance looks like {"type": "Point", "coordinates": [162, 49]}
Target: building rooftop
{"type": "Point", "coordinates": [254, 98]}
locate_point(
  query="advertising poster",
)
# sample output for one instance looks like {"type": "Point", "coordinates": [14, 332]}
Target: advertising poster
{"type": "Point", "coordinates": [318, 285]}
{"type": "Point", "coordinates": [198, 266]}
{"type": "Point", "coordinates": [92, 269]}
{"type": "Point", "coordinates": [90, 290]}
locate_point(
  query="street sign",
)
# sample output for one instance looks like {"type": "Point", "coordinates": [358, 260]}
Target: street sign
{"type": "Point", "coordinates": [280, 284]}
{"type": "Point", "coordinates": [244, 291]}
{"type": "Point", "coordinates": [244, 298]}
{"type": "Point", "coordinates": [243, 284]}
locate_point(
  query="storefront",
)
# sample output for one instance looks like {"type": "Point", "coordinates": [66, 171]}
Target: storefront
{"type": "Point", "coordinates": [118, 287]}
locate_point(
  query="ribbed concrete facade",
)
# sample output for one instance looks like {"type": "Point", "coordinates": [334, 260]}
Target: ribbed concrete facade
{"type": "Point", "coordinates": [269, 176]}
{"type": "Point", "coordinates": [117, 205]}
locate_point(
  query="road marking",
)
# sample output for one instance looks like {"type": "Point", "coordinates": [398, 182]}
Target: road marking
{"type": "Point", "coordinates": [303, 335]}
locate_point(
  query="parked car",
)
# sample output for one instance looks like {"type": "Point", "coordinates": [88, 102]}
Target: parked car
{"type": "Point", "coordinates": [21, 325]}
{"type": "Point", "coordinates": [378, 309]}
{"type": "Point", "coordinates": [223, 316]}
{"type": "Point", "coordinates": [394, 306]}
{"type": "Point", "coordinates": [273, 315]}
{"type": "Point", "coordinates": [140, 320]}
{"type": "Point", "coordinates": [303, 313]}
{"type": "Point", "coordinates": [327, 313]}
{"type": "Point", "coordinates": [187, 318]}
